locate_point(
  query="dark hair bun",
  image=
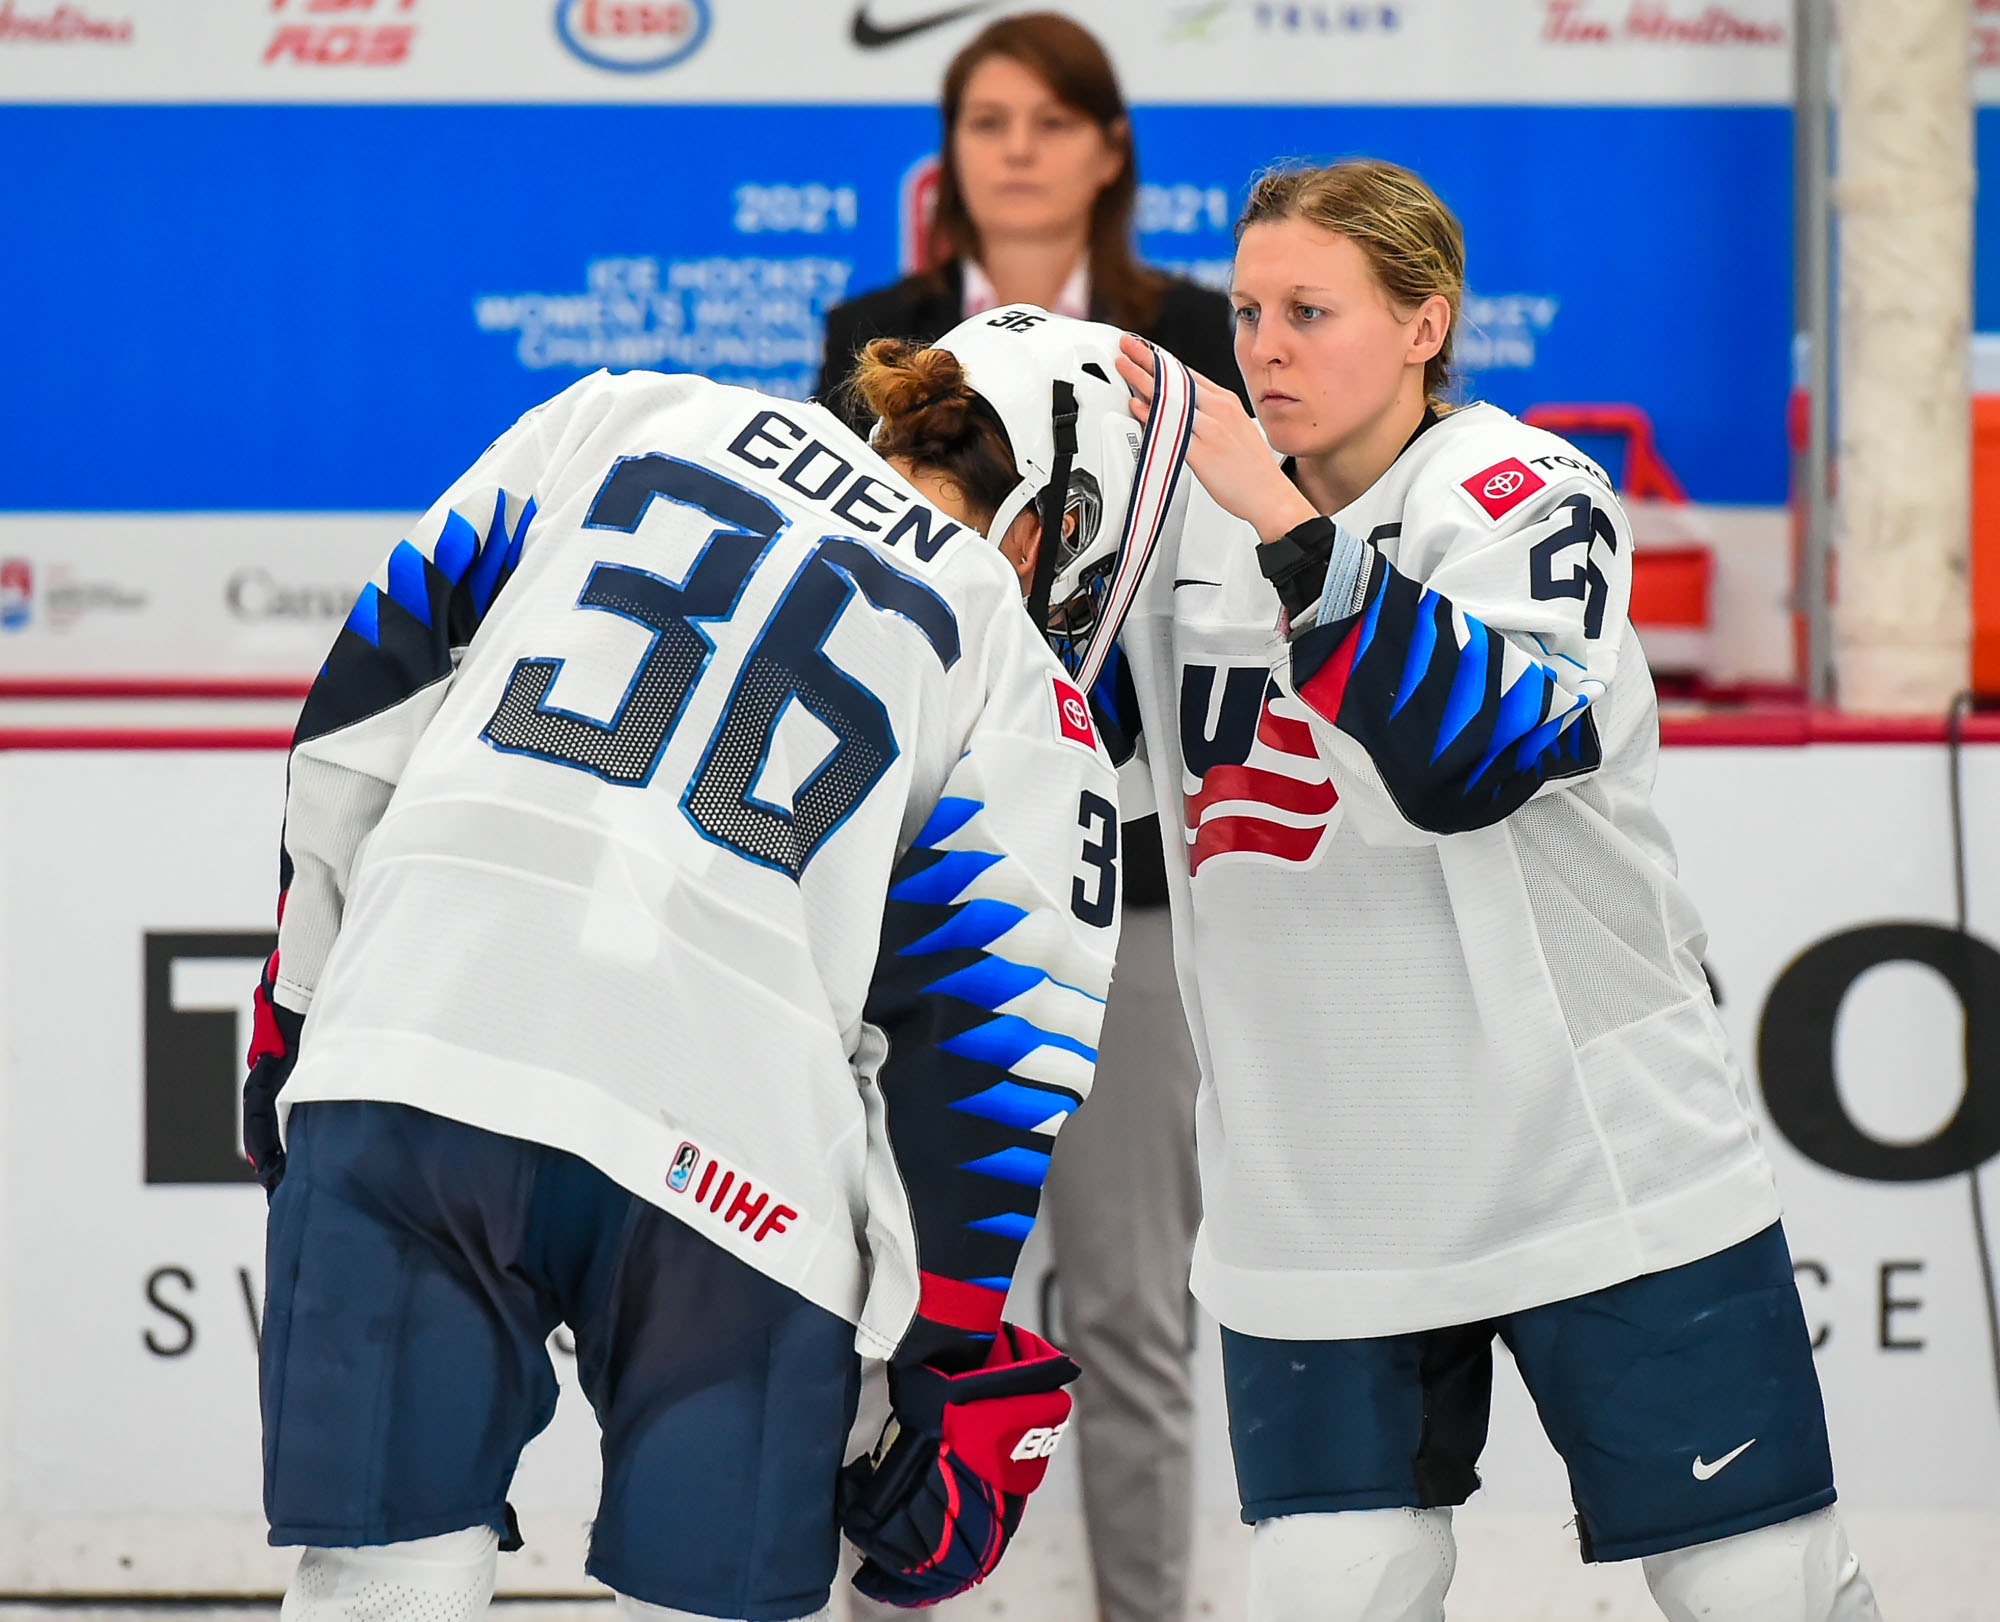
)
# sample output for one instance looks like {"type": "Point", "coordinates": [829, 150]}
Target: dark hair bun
{"type": "Point", "coordinates": [930, 417]}
{"type": "Point", "coordinates": [920, 395]}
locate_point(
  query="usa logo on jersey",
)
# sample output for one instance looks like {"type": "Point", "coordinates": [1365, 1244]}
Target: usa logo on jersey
{"type": "Point", "coordinates": [1254, 784]}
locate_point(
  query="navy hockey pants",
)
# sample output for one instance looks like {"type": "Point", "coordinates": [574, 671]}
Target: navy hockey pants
{"type": "Point", "coordinates": [1684, 1403]}
{"type": "Point", "coordinates": [416, 1269]}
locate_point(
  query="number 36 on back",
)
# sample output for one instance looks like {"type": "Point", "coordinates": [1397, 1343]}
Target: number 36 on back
{"type": "Point", "coordinates": [786, 663]}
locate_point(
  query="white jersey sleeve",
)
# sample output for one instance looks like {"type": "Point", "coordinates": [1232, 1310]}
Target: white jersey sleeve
{"type": "Point", "coordinates": [1466, 671]}
{"type": "Point", "coordinates": [998, 936]}
{"type": "Point", "coordinates": [385, 678]}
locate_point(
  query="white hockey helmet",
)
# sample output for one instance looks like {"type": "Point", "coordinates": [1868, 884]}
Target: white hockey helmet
{"type": "Point", "coordinates": [1053, 382]}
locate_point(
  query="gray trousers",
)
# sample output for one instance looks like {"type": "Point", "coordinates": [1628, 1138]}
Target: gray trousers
{"type": "Point", "coordinates": [1122, 1201]}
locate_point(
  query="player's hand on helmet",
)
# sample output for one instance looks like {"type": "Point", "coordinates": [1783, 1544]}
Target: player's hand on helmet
{"type": "Point", "coordinates": [274, 1049]}
{"type": "Point", "coordinates": [1227, 450]}
{"type": "Point", "coordinates": [932, 1509]}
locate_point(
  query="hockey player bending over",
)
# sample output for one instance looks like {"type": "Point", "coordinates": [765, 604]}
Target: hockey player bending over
{"type": "Point", "coordinates": [1463, 1076]}
{"type": "Point", "coordinates": [699, 896]}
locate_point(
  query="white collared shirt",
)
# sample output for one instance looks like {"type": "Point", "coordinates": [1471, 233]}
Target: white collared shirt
{"type": "Point", "coordinates": [1073, 300]}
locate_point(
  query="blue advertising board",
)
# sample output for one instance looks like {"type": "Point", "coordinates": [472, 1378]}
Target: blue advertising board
{"type": "Point", "coordinates": [298, 307]}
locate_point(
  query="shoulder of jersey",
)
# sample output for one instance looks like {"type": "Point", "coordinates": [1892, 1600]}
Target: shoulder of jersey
{"type": "Point", "coordinates": [1488, 466]}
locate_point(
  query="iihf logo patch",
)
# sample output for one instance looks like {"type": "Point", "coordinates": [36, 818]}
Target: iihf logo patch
{"type": "Point", "coordinates": [727, 1194]}
{"type": "Point", "coordinates": [1502, 487]}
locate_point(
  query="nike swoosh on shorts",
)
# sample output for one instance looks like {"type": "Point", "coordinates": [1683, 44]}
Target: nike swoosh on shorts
{"type": "Point", "coordinates": [1703, 1471]}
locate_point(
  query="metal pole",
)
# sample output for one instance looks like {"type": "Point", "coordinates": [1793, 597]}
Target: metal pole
{"type": "Point", "coordinates": [1812, 236]}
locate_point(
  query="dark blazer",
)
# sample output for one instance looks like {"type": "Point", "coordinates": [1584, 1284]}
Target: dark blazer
{"type": "Point", "coordinates": [1193, 323]}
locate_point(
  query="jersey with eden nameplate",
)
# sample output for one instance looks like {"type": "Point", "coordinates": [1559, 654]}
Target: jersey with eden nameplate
{"type": "Point", "coordinates": [688, 794]}
{"type": "Point", "coordinates": [1459, 1054]}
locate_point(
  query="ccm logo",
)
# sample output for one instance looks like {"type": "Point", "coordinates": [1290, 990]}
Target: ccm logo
{"type": "Point", "coordinates": [1039, 1442]}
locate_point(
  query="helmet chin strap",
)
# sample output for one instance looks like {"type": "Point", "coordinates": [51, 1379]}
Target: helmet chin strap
{"type": "Point", "coordinates": [1054, 510]}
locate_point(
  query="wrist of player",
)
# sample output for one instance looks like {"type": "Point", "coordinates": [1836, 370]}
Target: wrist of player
{"type": "Point", "coordinates": [985, 1414]}
{"type": "Point", "coordinates": [274, 1050]}
{"type": "Point", "coordinates": [1247, 484]}
{"type": "Point", "coordinates": [1281, 509]}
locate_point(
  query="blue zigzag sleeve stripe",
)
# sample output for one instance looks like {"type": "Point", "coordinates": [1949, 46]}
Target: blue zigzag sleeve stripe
{"type": "Point", "coordinates": [1023, 1166]}
{"type": "Point", "coordinates": [1417, 662]}
{"type": "Point", "coordinates": [1005, 1225]}
{"type": "Point", "coordinates": [399, 635]}
{"type": "Point", "coordinates": [1521, 710]}
{"type": "Point", "coordinates": [409, 581]}
{"type": "Point", "coordinates": [977, 925]}
{"type": "Point", "coordinates": [1027, 1109]}
{"type": "Point", "coordinates": [1004, 1042]}
{"type": "Point", "coordinates": [1455, 749]}
{"type": "Point", "coordinates": [950, 814]}
{"type": "Point", "coordinates": [949, 878]}
{"type": "Point", "coordinates": [363, 618]}
{"type": "Point", "coordinates": [457, 546]}
{"type": "Point", "coordinates": [991, 983]}
{"type": "Point", "coordinates": [959, 1124]}
{"type": "Point", "coordinates": [1468, 687]}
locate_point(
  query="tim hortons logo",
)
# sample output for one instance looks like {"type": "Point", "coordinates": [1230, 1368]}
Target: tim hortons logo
{"type": "Point", "coordinates": [1570, 22]}
{"type": "Point", "coordinates": [62, 25]}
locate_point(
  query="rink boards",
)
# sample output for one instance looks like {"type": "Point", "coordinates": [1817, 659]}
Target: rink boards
{"type": "Point", "coordinates": [135, 896]}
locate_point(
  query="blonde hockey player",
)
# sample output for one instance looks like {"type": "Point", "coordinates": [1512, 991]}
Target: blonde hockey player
{"type": "Point", "coordinates": [699, 897]}
{"type": "Point", "coordinates": [1463, 1077]}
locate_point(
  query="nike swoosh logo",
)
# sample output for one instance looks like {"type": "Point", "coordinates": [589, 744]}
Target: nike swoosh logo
{"type": "Point", "coordinates": [1190, 581]}
{"type": "Point", "coordinates": [1703, 1471]}
{"type": "Point", "coordinates": [871, 36]}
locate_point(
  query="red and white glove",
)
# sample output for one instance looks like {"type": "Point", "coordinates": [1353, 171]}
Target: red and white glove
{"type": "Point", "coordinates": [933, 1508]}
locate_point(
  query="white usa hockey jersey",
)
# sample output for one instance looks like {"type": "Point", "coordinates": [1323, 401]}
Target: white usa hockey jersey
{"type": "Point", "coordinates": [1459, 1053]}
{"type": "Point", "coordinates": [687, 794]}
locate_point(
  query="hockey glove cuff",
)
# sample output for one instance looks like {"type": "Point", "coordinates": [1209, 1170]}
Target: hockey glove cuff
{"type": "Point", "coordinates": [933, 1509]}
{"type": "Point", "coordinates": [274, 1049]}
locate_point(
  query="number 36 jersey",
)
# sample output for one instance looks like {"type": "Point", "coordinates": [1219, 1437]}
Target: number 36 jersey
{"type": "Point", "coordinates": [686, 793]}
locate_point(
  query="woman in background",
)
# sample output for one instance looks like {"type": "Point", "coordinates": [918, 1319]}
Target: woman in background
{"type": "Point", "coordinates": [1035, 206]}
